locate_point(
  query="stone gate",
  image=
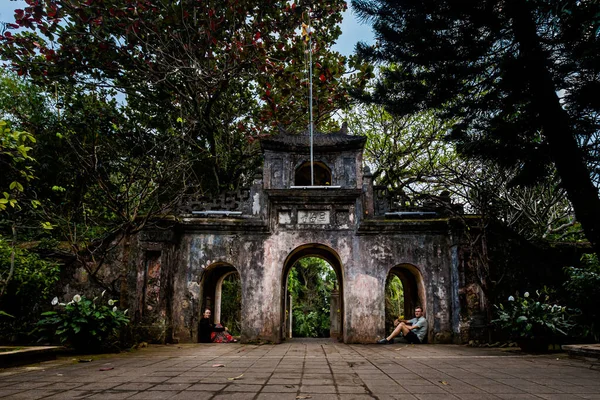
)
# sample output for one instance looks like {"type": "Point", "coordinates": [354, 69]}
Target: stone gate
{"type": "Point", "coordinates": [260, 232]}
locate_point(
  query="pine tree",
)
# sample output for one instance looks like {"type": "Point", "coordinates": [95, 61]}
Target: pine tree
{"type": "Point", "coordinates": [521, 77]}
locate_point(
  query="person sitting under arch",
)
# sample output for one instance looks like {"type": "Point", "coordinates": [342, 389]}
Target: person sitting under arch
{"type": "Point", "coordinates": [413, 331]}
{"type": "Point", "coordinates": [212, 333]}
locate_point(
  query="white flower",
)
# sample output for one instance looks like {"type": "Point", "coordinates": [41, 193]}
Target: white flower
{"type": "Point", "coordinates": [125, 312]}
{"type": "Point", "coordinates": [55, 301]}
{"type": "Point", "coordinates": [115, 309]}
{"type": "Point", "coordinates": [62, 304]}
{"type": "Point", "coordinates": [510, 298]}
{"type": "Point", "coordinates": [526, 294]}
{"type": "Point", "coordinates": [102, 295]}
{"type": "Point", "coordinates": [77, 298]}
{"type": "Point", "coordinates": [111, 302]}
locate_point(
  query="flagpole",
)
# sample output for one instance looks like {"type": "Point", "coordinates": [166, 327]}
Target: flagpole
{"type": "Point", "coordinates": [310, 102]}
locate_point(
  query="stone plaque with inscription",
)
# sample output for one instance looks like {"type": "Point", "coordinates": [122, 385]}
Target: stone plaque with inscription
{"type": "Point", "coordinates": [314, 217]}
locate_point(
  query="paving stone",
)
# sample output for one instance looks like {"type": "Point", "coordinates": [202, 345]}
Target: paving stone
{"type": "Point", "coordinates": [280, 388]}
{"type": "Point", "coordinates": [108, 395]}
{"type": "Point", "coordinates": [234, 396]}
{"type": "Point", "coordinates": [63, 386]}
{"type": "Point", "coordinates": [276, 396]}
{"type": "Point", "coordinates": [30, 394]}
{"type": "Point", "coordinates": [170, 387]}
{"type": "Point", "coordinates": [193, 396]}
{"type": "Point", "coordinates": [422, 389]}
{"type": "Point", "coordinates": [320, 396]}
{"type": "Point", "coordinates": [210, 387]}
{"type": "Point", "coordinates": [289, 381]}
{"type": "Point", "coordinates": [516, 396]}
{"type": "Point", "coordinates": [152, 395]}
{"type": "Point", "coordinates": [239, 387]}
{"type": "Point", "coordinates": [134, 386]}
{"type": "Point", "coordinates": [70, 394]}
{"type": "Point", "coordinates": [430, 396]}
{"type": "Point", "coordinates": [476, 396]}
{"type": "Point", "coordinates": [317, 389]}
{"type": "Point", "coordinates": [99, 386]}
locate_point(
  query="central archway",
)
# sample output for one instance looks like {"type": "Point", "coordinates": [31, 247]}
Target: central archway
{"type": "Point", "coordinates": [331, 257]}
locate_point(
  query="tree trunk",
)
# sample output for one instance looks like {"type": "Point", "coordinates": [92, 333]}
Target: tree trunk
{"type": "Point", "coordinates": [568, 157]}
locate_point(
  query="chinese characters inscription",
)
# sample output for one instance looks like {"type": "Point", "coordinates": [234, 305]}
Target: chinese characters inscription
{"type": "Point", "coordinates": [313, 217]}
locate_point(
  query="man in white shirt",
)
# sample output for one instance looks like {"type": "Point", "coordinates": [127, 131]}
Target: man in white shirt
{"type": "Point", "coordinates": [413, 331]}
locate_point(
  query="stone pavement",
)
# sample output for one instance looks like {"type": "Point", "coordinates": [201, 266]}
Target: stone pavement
{"type": "Point", "coordinates": [306, 369]}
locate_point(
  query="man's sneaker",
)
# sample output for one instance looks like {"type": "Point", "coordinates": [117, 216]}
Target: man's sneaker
{"type": "Point", "coordinates": [385, 341]}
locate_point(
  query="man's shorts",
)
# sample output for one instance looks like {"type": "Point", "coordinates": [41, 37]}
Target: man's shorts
{"type": "Point", "coordinates": [412, 338]}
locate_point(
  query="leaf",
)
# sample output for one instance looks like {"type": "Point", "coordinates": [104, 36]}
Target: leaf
{"type": "Point", "coordinates": [47, 225]}
{"type": "Point", "coordinates": [444, 383]}
{"type": "Point", "coordinates": [16, 185]}
{"type": "Point", "coordinates": [236, 378]}
{"type": "Point", "coordinates": [218, 365]}
{"type": "Point", "coordinates": [522, 318]}
{"type": "Point", "coordinates": [180, 120]}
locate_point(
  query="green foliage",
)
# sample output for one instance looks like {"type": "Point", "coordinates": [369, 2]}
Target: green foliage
{"type": "Point", "coordinates": [394, 301]}
{"type": "Point", "coordinates": [529, 318]}
{"type": "Point", "coordinates": [231, 304]}
{"type": "Point", "coordinates": [84, 324]}
{"type": "Point", "coordinates": [32, 282]}
{"type": "Point", "coordinates": [310, 283]}
{"type": "Point", "coordinates": [582, 286]}
{"type": "Point", "coordinates": [16, 164]}
{"type": "Point", "coordinates": [243, 76]}
{"type": "Point", "coordinates": [406, 154]}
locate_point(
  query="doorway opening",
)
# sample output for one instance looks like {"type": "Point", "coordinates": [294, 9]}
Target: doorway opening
{"type": "Point", "coordinates": [404, 290]}
{"type": "Point", "coordinates": [322, 174]}
{"type": "Point", "coordinates": [222, 294]}
{"type": "Point", "coordinates": [312, 303]}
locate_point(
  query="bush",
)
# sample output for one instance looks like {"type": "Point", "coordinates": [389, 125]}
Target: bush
{"type": "Point", "coordinates": [582, 286]}
{"type": "Point", "coordinates": [85, 325]}
{"type": "Point", "coordinates": [528, 318]}
{"type": "Point", "coordinates": [30, 286]}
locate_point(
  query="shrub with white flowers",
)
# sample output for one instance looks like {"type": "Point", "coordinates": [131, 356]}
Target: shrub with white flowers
{"type": "Point", "coordinates": [528, 318]}
{"type": "Point", "coordinates": [84, 324]}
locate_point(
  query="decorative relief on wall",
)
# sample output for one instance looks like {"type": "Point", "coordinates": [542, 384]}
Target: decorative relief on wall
{"type": "Point", "coordinates": [229, 201]}
{"type": "Point", "coordinates": [285, 217]}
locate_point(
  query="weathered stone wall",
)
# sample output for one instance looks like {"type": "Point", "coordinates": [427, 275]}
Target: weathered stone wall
{"type": "Point", "coordinates": [262, 258]}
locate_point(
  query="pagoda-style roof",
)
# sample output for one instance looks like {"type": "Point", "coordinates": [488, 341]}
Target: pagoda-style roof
{"type": "Point", "coordinates": [322, 142]}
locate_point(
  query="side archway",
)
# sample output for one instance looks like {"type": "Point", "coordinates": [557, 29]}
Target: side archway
{"type": "Point", "coordinates": [212, 288]}
{"type": "Point", "coordinates": [331, 257]}
{"type": "Point", "coordinates": [413, 287]}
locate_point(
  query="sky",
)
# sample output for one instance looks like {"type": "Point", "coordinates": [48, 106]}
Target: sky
{"type": "Point", "coordinates": [352, 30]}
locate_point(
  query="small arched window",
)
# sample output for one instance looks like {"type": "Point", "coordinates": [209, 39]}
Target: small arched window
{"type": "Point", "coordinates": [322, 174]}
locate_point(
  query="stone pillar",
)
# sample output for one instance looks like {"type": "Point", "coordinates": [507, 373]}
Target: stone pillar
{"type": "Point", "coordinates": [367, 194]}
{"type": "Point", "coordinates": [335, 314]}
